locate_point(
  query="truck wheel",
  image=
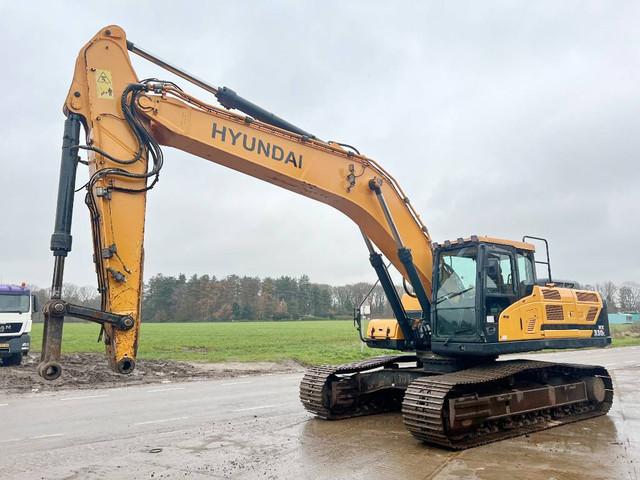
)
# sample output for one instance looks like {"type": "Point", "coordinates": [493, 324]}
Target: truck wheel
{"type": "Point", "coordinates": [14, 359]}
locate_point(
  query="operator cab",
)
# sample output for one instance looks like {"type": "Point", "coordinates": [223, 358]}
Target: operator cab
{"type": "Point", "coordinates": [475, 279]}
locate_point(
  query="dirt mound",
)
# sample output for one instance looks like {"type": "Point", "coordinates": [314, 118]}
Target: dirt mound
{"type": "Point", "coordinates": [90, 370]}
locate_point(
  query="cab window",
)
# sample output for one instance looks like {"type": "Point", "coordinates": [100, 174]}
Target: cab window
{"type": "Point", "coordinates": [12, 303]}
{"type": "Point", "coordinates": [525, 270]}
{"type": "Point", "coordinates": [499, 275]}
{"type": "Point", "coordinates": [455, 298]}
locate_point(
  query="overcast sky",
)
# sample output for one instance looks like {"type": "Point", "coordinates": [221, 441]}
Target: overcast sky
{"type": "Point", "coordinates": [498, 118]}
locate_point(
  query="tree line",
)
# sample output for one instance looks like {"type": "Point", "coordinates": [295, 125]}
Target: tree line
{"type": "Point", "coordinates": [205, 298]}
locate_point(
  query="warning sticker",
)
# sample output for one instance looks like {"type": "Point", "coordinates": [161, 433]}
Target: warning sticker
{"type": "Point", "coordinates": [104, 85]}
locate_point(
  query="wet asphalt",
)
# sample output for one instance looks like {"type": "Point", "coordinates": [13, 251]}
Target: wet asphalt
{"type": "Point", "coordinates": [255, 428]}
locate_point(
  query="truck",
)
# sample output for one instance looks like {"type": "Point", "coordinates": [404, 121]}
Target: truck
{"type": "Point", "coordinates": [17, 304]}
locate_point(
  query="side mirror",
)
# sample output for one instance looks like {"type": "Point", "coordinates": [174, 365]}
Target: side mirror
{"type": "Point", "coordinates": [35, 307]}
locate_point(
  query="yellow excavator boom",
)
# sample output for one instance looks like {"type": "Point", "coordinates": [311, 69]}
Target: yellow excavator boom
{"type": "Point", "coordinates": [125, 120]}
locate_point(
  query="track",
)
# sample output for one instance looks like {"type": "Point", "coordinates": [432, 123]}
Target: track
{"type": "Point", "coordinates": [467, 408]}
{"type": "Point", "coordinates": [325, 394]}
{"type": "Point", "coordinates": [427, 404]}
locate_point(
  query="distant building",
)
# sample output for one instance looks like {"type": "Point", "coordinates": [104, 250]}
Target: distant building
{"type": "Point", "coordinates": [617, 318]}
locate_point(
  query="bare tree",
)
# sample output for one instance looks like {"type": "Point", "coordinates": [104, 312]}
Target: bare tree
{"type": "Point", "coordinates": [609, 292]}
{"type": "Point", "coordinates": [70, 292]}
{"type": "Point", "coordinates": [629, 297]}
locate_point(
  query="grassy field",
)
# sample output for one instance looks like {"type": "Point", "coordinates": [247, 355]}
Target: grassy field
{"type": "Point", "coordinates": [313, 342]}
{"type": "Point", "coordinates": [625, 335]}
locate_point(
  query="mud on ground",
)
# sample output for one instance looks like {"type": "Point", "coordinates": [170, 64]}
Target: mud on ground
{"type": "Point", "coordinates": [91, 370]}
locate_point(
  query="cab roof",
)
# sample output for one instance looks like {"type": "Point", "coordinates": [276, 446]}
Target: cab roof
{"type": "Point", "coordinates": [13, 289]}
{"type": "Point", "coordinates": [482, 239]}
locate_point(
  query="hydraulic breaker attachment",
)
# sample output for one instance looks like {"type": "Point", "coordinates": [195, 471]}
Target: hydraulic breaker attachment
{"type": "Point", "coordinates": [56, 309]}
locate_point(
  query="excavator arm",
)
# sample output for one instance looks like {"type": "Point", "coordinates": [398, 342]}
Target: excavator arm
{"type": "Point", "coordinates": [127, 120]}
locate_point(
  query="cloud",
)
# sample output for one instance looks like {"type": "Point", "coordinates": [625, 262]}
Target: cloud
{"type": "Point", "coordinates": [500, 118]}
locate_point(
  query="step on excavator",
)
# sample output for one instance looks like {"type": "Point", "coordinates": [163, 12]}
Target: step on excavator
{"type": "Point", "coordinates": [467, 301]}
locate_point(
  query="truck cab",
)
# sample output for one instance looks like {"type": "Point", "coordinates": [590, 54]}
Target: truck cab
{"type": "Point", "coordinates": [16, 307]}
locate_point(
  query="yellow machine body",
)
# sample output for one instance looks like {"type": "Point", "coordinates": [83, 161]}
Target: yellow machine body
{"type": "Point", "coordinates": [411, 305]}
{"type": "Point", "coordinates": [388, 329]}
{"type": "Point", "coordinates": [551, 312]}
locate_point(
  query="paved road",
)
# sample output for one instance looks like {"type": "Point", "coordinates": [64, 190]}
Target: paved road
{"type": "Point", "coordinates": [254, 427]}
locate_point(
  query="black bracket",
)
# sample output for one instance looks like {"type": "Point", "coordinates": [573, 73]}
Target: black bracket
{"type": "Point", "coordinates": [60, 308]}
{"type": "Point", "coordinates": [117, 275]}
{"type": "Point", "coordinates": [104, 192]}
{"type": "Point", "coordinates": [109, 251]}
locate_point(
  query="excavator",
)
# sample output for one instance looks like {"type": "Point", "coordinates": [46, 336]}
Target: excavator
{"type": "Point", "coordinates": [466, 302]}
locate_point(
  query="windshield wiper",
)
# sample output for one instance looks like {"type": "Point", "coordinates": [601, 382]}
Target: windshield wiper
{"type": "Point", "coordinates": [449, 296]}
{"type": "Point", "coordinates": [457, 332]}
{"type": "Point", "coordinates": [463, 330]}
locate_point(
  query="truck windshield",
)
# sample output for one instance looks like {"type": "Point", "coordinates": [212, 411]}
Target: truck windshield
{"type": "Point", "coordinates": [456, 292]}
{"type": "Point", "coordinates": [14, 303]}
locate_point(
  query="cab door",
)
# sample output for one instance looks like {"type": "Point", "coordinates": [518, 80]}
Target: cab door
{"type": "Point", "coordinates": [455, 301]}
{"type": "Point", "coordinates": [499, 282]}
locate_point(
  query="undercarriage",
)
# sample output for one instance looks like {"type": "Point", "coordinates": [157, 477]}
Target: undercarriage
{"type": "Point", "coordinates": [466, 407]}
